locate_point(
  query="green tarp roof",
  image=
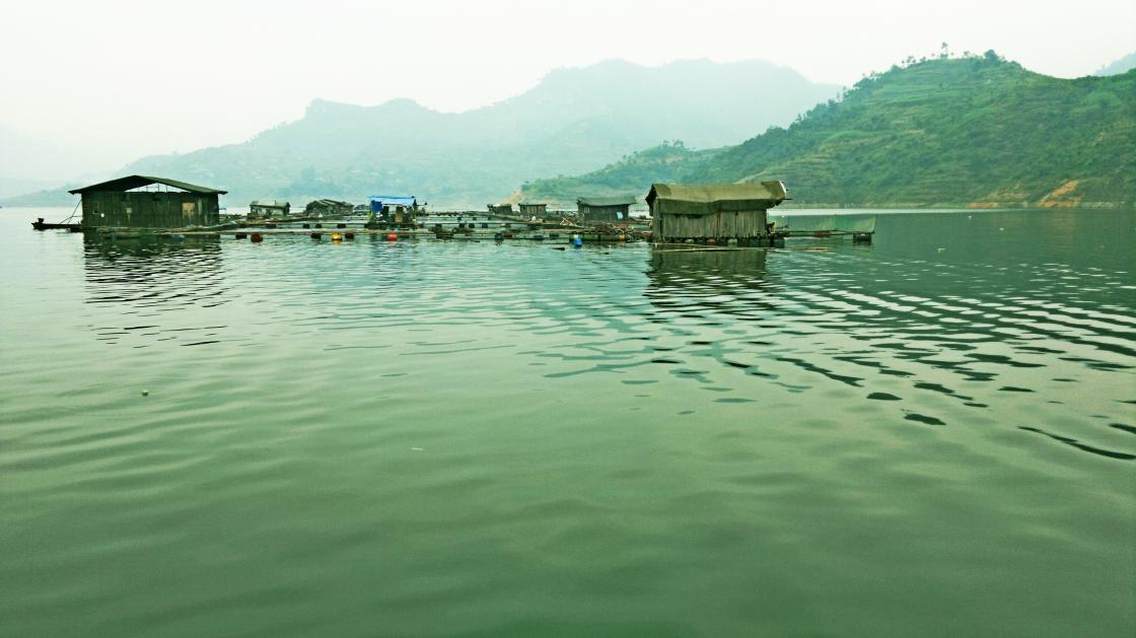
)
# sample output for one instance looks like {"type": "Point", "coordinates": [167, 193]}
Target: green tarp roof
{"type": "Point", "coordinates": [138, 181]}
{"type": "Point", "coordinates": [704, 199]}
{"type": "Point", "coordinates": [621, 200]}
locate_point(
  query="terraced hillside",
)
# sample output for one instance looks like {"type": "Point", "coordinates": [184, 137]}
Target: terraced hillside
{"type": "Point", "coordinates": [975, 132]}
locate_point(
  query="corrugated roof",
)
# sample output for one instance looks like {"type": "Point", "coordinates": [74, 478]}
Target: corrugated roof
{"type": "Point", "coordinates": [138, 181]}
{"type": "Point", "coordinates": [271, 203]}
{"type": "Point", "coordinates": [622, 200]}
{"type": "Point", "coordinates": [704, 199]}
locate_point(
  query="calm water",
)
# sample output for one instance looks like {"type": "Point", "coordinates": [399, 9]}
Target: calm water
{"type": "Point", "coordinates": [933, 435]}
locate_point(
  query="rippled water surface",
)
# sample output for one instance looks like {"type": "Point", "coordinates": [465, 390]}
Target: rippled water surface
{"type": "Point", "coordinates": [932, 435]}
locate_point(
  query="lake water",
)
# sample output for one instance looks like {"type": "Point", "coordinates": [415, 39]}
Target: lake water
{"type": "Point", "coordinates": [932, 435]}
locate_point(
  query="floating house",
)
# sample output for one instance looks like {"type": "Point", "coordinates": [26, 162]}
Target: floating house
{"type": "Point", "coordinates": [533, 210]}
{"type": "Point", "coordinates": [594, 210]}
{"type": "Point", "coordinates": [391, 203]}
{"type": "Point", "coordinates": [718, 212]}
{"type": "Point", "coordinates": [500, 209]}
{"type": "Point", "coordinates": [269, 209]}
{"type": "Point", "coordinates": [328, 208]}
{"type": "Point", "coordinates": [396, 209]}
{"type": "Point", "coordinates": [143, 201]}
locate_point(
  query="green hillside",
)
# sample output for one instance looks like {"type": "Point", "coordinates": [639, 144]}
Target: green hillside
{"type": "Point", "coordinates": [976, 131]}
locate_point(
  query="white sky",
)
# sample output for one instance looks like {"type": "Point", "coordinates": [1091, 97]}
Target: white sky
{"type": "Point", "coordinates": [117, 79]}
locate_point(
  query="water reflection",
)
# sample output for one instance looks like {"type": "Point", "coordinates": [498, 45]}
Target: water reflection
{"type": "Point", "coordinates": [473, 428]}
{"type": "Point", "coordinates": [695, 283]}
{"type": "Point", "coordinates": [155, 284]}
{"type": "Point", "coordinates": [940, 338]}
{"type": "Point", "coordinates": [927, 337]}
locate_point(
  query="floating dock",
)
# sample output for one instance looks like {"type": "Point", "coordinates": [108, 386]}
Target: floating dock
{"type": "Point", "coordinates": [860, 227]}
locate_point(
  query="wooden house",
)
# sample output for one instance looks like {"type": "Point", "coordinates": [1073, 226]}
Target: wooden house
{"type": "Point", "coordinates": [612, 210]}
{"type": "Point", "coordinates": [394, 209]}
{"type": "Point", "coordinates": [143, 201]}
{"type": "Point", "coordinates": [328, 208]}
{"type": "Point", "coordinates": [269, 209]}
{"type": "Point", "coordinates": [500, 209]}
{"type": "Point", "coordinates": [718, 212]}
{"type": "Point", "coordinates": [533, 210]}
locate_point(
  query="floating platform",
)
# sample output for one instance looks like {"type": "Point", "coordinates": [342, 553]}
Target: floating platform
{"type": "Point", "coordinates": [860, 228]}
{"type": "Point", "coordinates": [530, 231]}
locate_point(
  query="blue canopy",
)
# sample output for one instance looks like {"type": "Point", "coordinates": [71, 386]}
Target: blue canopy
{"type": "Point", "coordinates": [392, 200]}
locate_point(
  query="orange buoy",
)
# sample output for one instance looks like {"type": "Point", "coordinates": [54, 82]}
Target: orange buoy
{"type": "Point", "coordinates": [392, 236]}
{"type": "Point", "coordinates": [256, 238]}
{"type": "Point", "coordinates": [336, 237]}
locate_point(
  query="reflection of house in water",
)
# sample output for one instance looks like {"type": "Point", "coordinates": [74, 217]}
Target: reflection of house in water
{"type": "Point", "coordinates": [142, 201]}
{"type": "Point", "coordinates": [147, 274]}
{"type": "Point", "coordinates": [690, 280]}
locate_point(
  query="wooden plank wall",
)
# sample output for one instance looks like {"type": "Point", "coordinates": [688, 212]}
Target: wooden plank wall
{"type": "Point", "coordinates": [150, 210]}
{"type": "Point", "coordinates": [742, 225]}
{"type": "Point", "coordinates": [602, 213]}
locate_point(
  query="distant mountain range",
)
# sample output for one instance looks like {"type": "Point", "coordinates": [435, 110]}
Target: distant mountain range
{"type": "Point", "coordinates": [977, 132]}
{"type": "Point", "coordinates": [1123, 65]}
{"type": "Point", "coordinates": [573, 120]}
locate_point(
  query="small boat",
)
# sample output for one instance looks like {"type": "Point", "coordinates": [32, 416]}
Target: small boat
{"type": "Point", "coordinates": [39, 224]}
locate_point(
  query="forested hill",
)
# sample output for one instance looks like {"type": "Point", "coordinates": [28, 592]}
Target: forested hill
{"type": "Point", "coordinates": [976, 131]}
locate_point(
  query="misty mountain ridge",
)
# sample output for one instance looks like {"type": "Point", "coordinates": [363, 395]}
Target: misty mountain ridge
{"type": "Point", "coordinates": [573, 120]}
{"type": "Point", "coordinates": [1117, 67]}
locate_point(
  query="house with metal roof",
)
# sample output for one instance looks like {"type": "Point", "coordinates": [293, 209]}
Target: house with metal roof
{"type": "Point", "coordinates": [719, 212]}
{"type": "Point", "coordinates": [269, 208]}
{"type": "Point", "coordinates": [145, 201]}
{"type": "Point", "coordinates": [604, 209]}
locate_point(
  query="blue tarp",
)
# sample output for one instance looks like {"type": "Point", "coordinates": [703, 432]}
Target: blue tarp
{"type": "Point", "coordinates": [378, 201]}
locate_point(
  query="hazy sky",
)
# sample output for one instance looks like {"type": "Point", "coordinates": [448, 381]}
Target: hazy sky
{"type": "Point", "coordinates": [114, 79]}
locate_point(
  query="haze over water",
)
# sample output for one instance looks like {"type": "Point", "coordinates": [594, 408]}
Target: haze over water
{"type": "Point", "coordinates": [934, 434]}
